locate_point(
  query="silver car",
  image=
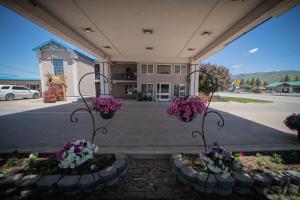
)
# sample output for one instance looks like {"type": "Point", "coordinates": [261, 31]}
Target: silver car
{"type": "Point", "coordinates": [11, 92]}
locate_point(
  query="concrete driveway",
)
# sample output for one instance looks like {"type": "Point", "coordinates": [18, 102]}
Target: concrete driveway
{"type": "Point", "coordinates": [141, 127]}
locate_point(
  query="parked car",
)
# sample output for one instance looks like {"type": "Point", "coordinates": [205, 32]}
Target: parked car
{"type": "Point", "coordinates": [11, 92]}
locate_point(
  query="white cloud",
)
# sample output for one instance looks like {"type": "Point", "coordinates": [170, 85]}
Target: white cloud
{"type": "Point", "coordinates": [253, 50]}
{"type": "Point", "coordinates": [236, 67]}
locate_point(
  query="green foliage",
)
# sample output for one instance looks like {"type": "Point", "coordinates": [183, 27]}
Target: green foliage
{"type": "Point", "coordinates": [287, 78]}
{"type": "Point", "coordinates": [29, 165]}
{"type": "Point", "coordinates": [213, 78]}
{"type": "Point", "coordinates": [244, 100]}
{"type": "Point", "coordinates": [12, 161]}
{"type": "Point", "coordinates": [297, 78]}
{"type": "Point", "coordinates": [242, 82]}
{"type": "Point", "coordinates": [261, 161]}
{"type": "Point", "coordinates": [276, 158]}
{"type": "Point", "coordinates": [265, 83]}
{"type": "Point", "coordinates": [258, 82]}
{"type": "Point", "coordinates": [298, 169]}
{"type": "Point", "coordinates": [253, 82]}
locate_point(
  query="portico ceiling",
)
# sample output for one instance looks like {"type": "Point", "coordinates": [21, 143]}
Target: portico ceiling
{"type": "Point", "coordinates": [178, 26]}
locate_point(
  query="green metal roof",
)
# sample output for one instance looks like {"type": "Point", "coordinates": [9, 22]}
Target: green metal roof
{"type": "Point", "coordinates": [293, 83]}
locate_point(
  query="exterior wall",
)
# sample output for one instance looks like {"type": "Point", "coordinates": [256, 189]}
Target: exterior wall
{"type": "Point", "coordinates": [163, 78]}
{"type": "Point", "coordinates": [88, 83]}
{"type": "Point", "coordinates": [118, 90]}
{"type": "Point", "coordinates": [46, 65]}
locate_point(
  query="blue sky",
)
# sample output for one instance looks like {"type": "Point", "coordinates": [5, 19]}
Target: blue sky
{"type": "Point", "coordinates": [273, 46]}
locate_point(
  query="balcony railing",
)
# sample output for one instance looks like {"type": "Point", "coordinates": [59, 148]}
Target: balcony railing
{"type": "Point", "coordinates": [124, 77]}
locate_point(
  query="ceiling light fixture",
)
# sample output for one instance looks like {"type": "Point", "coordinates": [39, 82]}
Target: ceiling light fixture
{"type": "Point", "coordinates": [87, 29]}
{"type": "Point", "coordinates": [191, 49]}
{"type": "Point", "coordinates": [107, 47]}
{"type": "Point", "coordinates": [147, 31]}
{"type": "Point", "coordinates": [205, 33]}
{"type": "Point", "coordinates": [149, 48]}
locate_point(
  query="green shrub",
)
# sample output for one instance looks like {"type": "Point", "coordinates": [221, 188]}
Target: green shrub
{"type": "Point", "coordinates": [12, 161]}
{"type": "Point", "coordinates": [276, 158]}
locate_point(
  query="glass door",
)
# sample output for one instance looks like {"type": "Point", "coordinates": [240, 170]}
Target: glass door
{"type": "Point", "coordinates": [163, 92]}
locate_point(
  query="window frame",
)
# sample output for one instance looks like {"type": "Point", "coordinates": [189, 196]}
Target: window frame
{"type": "Point", "coordinates": [180, 69]}
{"type": "Point", "coordinates": [147, 88]}
{"type": "Point", "coordinates": [147, 68]}
{"type": "Point", "coordinates": [133, 87]}
{"type": "Point", "coordinates": [53, 69]}
{"type": "Point", "coordinates": [179, 85]}
{"type": "Point", "coordinates": [157, 65]}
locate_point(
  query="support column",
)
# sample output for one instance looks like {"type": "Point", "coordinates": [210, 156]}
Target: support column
{"type": "Point", "coordinates": [194, 80]}
{"type": "Point", "coordinates": [105, 88]}
{"type": "Point", "coordinates": [75, 76]}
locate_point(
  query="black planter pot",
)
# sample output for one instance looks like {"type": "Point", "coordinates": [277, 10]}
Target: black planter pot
{"type": "Point", "coordinates": [108, 115]}
{"type": "Point", "coordinates": [185, 120]}
{"type": "Point", "coordinates": [298, 134]}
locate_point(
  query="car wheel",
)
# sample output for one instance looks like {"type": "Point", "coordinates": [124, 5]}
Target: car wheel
{"type": "Point", "coordinates": [36, 96]}
{"type": "Point", "coordinates": [10, 97]}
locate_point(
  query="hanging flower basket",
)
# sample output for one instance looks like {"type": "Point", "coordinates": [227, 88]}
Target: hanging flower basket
{"type": "Point", "coordinates": [106, 106]}
{"type": "Point", "coordinates": [186, 109]}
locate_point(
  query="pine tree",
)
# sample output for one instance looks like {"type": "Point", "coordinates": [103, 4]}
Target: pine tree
{"type": "Point", "coordinates": [248, 82]}
{"type": "Point", "coordinates": [266, 83]}
{"type": "Point", "coordinates": [297, 78]}
{"type": "Point", "coordinates": [258, 82]}
{"type": "Point", "coordinates": [287, 78]}
{"type": "Point", "coordinates": [242, 82]}
{"type": "Point", "coordinates": [252, 82]}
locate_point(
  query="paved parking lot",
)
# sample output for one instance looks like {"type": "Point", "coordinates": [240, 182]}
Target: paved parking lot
{"type": "Point", "coordinates": [140, 127]}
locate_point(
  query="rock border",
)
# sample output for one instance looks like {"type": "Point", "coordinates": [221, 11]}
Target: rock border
{"type": "Point", "coordinates": [27, 185]}
{"type": "Point", "coordinates": [239, 183]}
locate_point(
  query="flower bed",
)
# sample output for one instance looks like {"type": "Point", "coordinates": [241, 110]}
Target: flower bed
{"type": "Point", "coordinates": [20, 173]}
{"type": "Point", "coordinates": [262, 174]}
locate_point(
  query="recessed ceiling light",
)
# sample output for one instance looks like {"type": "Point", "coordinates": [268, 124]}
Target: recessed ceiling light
{"type": "Point", "coordinates": [107, 47]}
{"type": "Point", "coordinates": [149, 48]}
{"type": "Point", "coordinates": [205, 33]}
{"type": "Point", "coordinates": [147, 31]}
{"type": "Point", "coordinates": [87, 29]}
{"type": "Point", "coordinates": [191, 49]}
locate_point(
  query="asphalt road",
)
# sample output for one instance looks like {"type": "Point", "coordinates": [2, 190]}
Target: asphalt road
{"type": "Point", "coordinates": [141, 127]}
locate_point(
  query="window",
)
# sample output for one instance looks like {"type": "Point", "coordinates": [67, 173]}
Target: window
{"type": "Point", "coordinates": [5, 87]}
{"type": "Point", "coordinates": [180, 69]}
{"type": "Point", "coordinates": [58, 66]}
{"type": "Point", "coordinates": [179, 90]}
{"type": "Point", "coordinates": [19, 88]}
{"type": "Point", "coordinates": [147, 69]}
{"type": "Point", "coordinates": [130, 89]}
{"type": "Point", "coordinates": [147, 88]}
{"type": "Point", "coordinates": [163, 69]}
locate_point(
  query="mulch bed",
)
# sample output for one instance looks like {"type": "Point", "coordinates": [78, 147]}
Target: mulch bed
{"type": "Point", "coordinates": [46, 164]}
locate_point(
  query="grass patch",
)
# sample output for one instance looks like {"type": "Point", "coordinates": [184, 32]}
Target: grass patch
{"type": "Point", "coordinates": [244, 100]}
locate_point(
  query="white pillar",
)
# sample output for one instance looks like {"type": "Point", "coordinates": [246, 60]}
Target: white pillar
{"type": "Point", "coordinates": [43, 83]}
{"type": "Point", "coordinates": [75, 76]}
{"type": "Point", "coordinates": [105, 88]}
{"type": "Point", "coordinates": [194, 80]}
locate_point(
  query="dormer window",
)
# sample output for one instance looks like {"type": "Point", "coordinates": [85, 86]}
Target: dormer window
{"type": "Point", "coordinates": [58, 66]}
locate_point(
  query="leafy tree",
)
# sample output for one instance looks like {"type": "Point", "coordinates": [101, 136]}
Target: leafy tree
{"type": "Point", "coordinates": [248, 82]}
{"type": "Point", "coordinates": [297, 78]}
{"type": "Point", "coordinates": [213, 78]}
{"type": "Point", "coordinates": [252, 82]}
{"type": "Point", "coordinates": [242, 82]}
{"type": "Point", "coordinates": [258, 82]}
{"type": "Point", "coordinates": [265, 83]}
{"type": "Point", "coordinates": [287, 78]}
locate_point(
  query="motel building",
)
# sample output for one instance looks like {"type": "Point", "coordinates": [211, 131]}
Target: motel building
{"type": "Point", "coordinates": [139, 45]}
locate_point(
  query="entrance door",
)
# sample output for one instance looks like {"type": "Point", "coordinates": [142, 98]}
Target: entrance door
{"type": "Point", "coordinates": [163, 92]}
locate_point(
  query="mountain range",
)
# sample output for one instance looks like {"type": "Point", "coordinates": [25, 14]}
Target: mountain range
{"type": "Point", "coordinates": [270, 77]}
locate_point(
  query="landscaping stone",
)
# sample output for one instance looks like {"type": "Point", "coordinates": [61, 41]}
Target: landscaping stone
{"type": "Point", "coordinates": [202, 189]}
{"type": "Point", "coordinates": [8, 181]}
{"type": "Point", "coordinates": [294, 189]}
{"type": "Point", "coordinates": [8, 192]}
{"type": "Point", "coordinates": [112, 181]}
{"type": "Point", "coordinates": [222, 191]}
{"type": "Point", "coordinates": [26, 194]}
{"type": "Point", "coordinates": [108, 173]}
{"type": "Point", "coordinates": [121, 156]}
{"type": "Point", "coordinates": [120, 164]}
{"type": "Point", "coordinates": [242, 190]}
{"type": "Point", "coordinates": [28, 181]}
{"type": "Point", "coordinates": [261, 190]}
{"type": "Point", "coordinates": [225, 183]}
{"type": "Point", "coordinates": [86, 181]}
{"type": "Point", "coordinates": [48, 182]}
{"type": "Point", "coordinates": [189, 173]}
{"type": "Point", "coordinates": [277, 189]}
{"type": "Point", "coordinates": [243, 180]}
{"type": "Point", "coordinates": [68, 183]}
{"type": "Point", "coordinates": [261, 179]}
{"type": "Point", "coordinates": [176, 156]}
{"type": "Point", "coordinates": [294, 176]}
{"type": "Point", "coordinates": [279, 178]}
{"type": "Point", "coordinates": [97, 178]}
{"type": "Point", "coordinates": [178, 164]}
{"type": "Point", "coordinates": [210, 182]}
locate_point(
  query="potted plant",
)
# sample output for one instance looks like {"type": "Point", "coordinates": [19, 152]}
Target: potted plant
{"type": "Point", "coordinates": [106, 106]}
{"type": "Point", "coordinates": [293, 123]}
{"type": "Point", "coordinates": [186, 109]}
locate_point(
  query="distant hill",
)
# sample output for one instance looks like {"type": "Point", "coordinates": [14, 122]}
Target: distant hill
{"type": "Point", "coordinates": [269, 76]}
